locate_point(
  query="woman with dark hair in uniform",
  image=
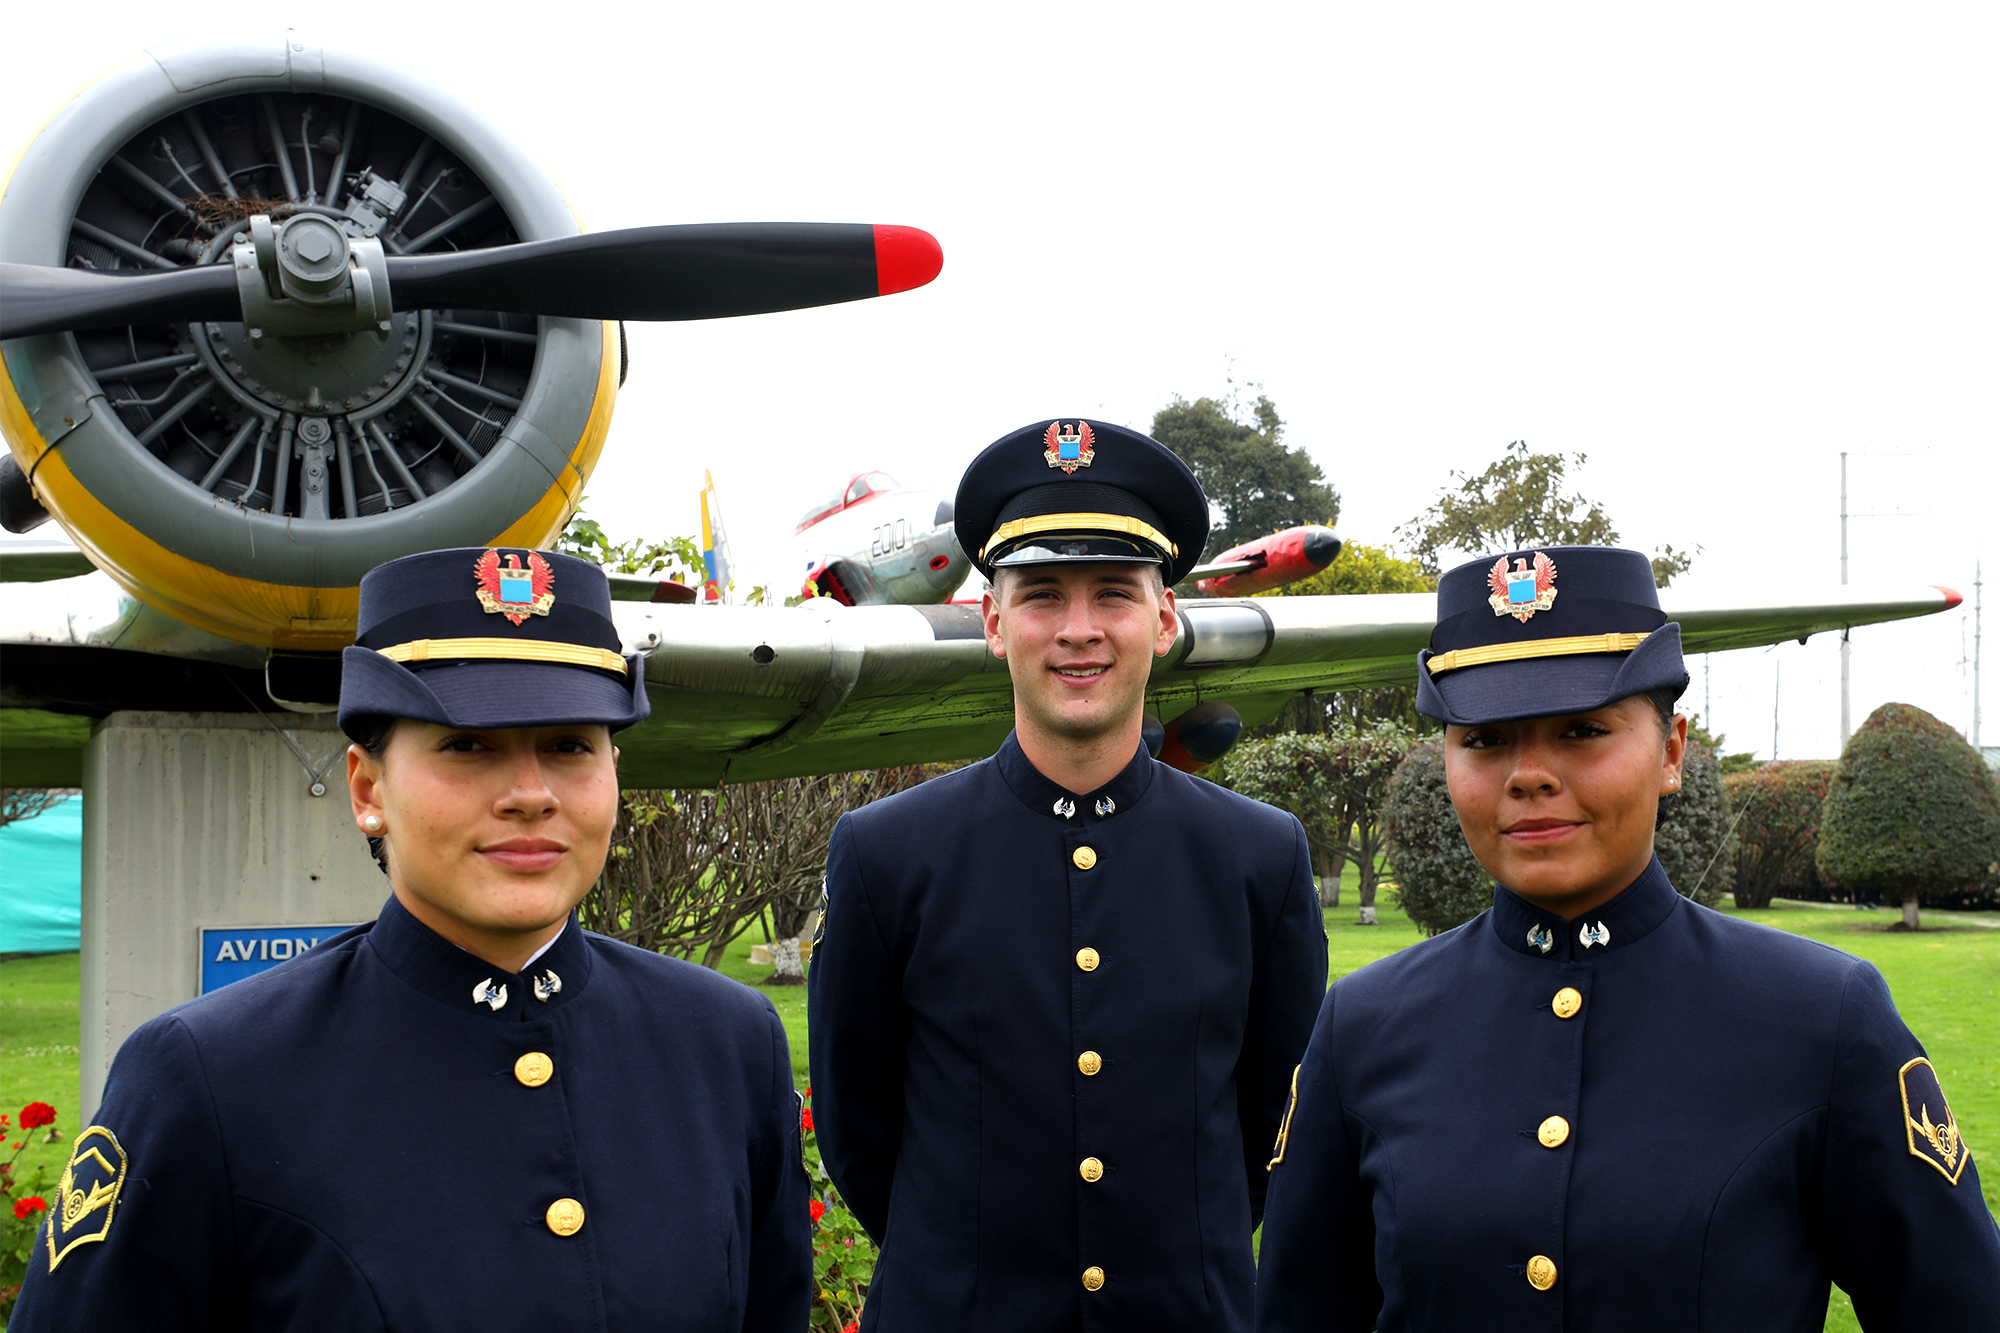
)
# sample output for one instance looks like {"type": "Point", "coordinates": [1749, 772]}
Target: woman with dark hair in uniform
{"type": "Point", "coordinates": [469, 1114]}
{"type": "Point", "coordinates": [1599, 1105]}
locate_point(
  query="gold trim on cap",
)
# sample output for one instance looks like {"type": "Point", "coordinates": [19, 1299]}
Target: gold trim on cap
{"type": "Point", "coordinates": [1022, 527]}
{"type": "Point", "coordinates": [1514, 652]}
{"type": "Point", "coordinates": [504, 650]}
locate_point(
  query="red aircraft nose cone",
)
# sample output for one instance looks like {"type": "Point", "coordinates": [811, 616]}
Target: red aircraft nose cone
{"type": "Point", "coordinates": [905, 257]}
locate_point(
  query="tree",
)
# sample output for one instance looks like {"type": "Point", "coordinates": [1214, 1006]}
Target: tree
{"type": "Point", "coordinates": [1518, 502]}
{"type": "Point", "coordinates": [1359, 570]}
{"type": "Point", "coordinates": [1335, 784]}
{"type": "Point", "coordinates": [1260, 484]}
{"type": "Point", "coordinates": [1912, 809]}
{"type": "Point", "coordinates": [27, 802]}
{"type": "Point", "coordinates": [1778, 806]}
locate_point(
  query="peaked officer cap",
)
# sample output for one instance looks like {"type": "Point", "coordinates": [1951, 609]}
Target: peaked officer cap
{"type": "Point", "coordinates": [484, 637]}
{"type": "Point", "coordinates": [1562, 629]}
{"type": "Point", "coordinates": [1076, 490]}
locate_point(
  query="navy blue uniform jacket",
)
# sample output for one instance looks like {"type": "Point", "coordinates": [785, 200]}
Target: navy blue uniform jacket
{"type": "Point", "coordinates": [951, 1017]}
{"type": "Point", "coordinates": [343, 1143]}
{"type": "Point", "coordinates": [1733, 1135]}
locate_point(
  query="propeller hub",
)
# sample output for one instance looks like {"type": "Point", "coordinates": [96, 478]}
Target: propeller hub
{"type": "Point", "coordinates": [337, 372]}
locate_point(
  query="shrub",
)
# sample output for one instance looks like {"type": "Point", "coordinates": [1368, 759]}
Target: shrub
{"type": "Point", "coordinates": [1693, 838]}
{"type": "Point", "coordinates": [24, 1203]}
{"type": "Point", "coordinates": [1912, 810]}
{"type": "Point", "coordinates": [1441, 882]}
{"type": "Point", "coordinates": [1778, 805]}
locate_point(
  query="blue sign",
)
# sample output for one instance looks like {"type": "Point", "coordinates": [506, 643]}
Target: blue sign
{"type": "Point", "coordinates": [231, 953]}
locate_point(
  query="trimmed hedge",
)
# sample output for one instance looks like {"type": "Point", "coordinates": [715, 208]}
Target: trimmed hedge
{"type": "Point", "coordinates": [1912, 810]}
{"type": "Point", "coordinates": [1778, 836]}
{"type": "Point", "coordinates": [1693, 838]}
{"type": "Point", "coordinates": [1440, 882]}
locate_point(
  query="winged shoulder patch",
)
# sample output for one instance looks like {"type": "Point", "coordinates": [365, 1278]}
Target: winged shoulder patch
{"type": "Point", "coordinates": [1928, 1123]}
{"type": "Point", "coordinates": [87, 1194]}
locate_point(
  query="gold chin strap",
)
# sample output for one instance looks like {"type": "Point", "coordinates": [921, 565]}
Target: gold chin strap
{"type": "Point", "coordinates": [1079, 523]}
{"type": "Point", "coordinates": [504, 650]}
{"type": "Point", "coordinates": [1514, 652]}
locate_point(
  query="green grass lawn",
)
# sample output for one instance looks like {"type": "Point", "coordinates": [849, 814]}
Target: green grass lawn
{"type": "Point", "coordinates": [1946, 980]}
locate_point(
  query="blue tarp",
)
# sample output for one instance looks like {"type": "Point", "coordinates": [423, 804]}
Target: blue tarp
{"type": "Point", "coordinates": [41, 880]}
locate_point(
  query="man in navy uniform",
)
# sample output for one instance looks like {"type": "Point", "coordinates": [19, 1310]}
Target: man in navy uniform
{"type": "Point", "coordinates": [1058, 995]}
{"type": "Point", "coordinates": [469, 1114]}
{"type": "Point", "coordinates": [1599, 1107]}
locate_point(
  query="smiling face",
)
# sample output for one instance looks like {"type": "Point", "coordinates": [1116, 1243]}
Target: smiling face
{"type": "Point", "coordinates": [1079, 641]}
{"type": "Point", "coordinates": [492, 836]}
{"type": "Point", "coordinates": [1561, 809]}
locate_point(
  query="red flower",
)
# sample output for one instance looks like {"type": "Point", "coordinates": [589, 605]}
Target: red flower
{"type": "Point", "coordinates": [853, 1327]}
{"type": "Point", "coordinates": [36, 1114]}
{"type": "Point", "coordinates": [806, 1120]}
{"type": "Point", "coordinates": [809, 1092]}
{"type": "Point", "coordinates": [34, 1203]}
{"type": "Point", "coordinates": [818, 1211]}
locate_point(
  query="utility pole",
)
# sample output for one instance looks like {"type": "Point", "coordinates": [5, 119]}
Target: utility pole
{"type": "Point", "coordinates": [1844, 727]}
{"type": "Point", "coordinates": [1777, 683]}
{"type": "Point", "coordinates": [1977, 599]}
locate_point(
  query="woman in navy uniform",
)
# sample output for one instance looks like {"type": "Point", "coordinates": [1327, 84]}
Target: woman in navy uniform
{"type": "Point", "coordinates": [1599, 1106]}
{"type": "Point", "coordinates": [1059, 994]}
{"type": "Point", "coordinates": [469, 1114]}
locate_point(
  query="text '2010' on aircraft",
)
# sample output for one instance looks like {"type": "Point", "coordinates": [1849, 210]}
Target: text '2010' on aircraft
{"type": "Point", "coordinates": [271, 315]}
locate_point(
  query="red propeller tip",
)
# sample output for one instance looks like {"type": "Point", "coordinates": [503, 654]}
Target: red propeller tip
{"type": "Point", "coordinates": [1952, 597]}
{"type": "Point", "coordinates": [905, 257]}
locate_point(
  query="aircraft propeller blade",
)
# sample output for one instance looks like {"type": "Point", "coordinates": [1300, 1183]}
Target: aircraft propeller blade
{"type": "Point", "coordinates": [699, 271]}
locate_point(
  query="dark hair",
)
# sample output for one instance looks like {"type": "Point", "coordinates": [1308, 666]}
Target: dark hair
{"type": "Point", "coordinates": [1663, 701]}
{"type": "Point", "coordinates": [371, 733]}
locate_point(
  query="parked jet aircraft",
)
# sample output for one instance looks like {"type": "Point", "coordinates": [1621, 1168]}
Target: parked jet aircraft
{"type": "Point", "coordinates": [273, 316]}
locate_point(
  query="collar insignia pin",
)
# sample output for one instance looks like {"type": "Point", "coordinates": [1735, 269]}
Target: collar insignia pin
{"type": "Point", "coordinates": [1522, 591]}
{"type": "Point", "coordinates": [512, 591]}
{"type": "Point", "coordinates": [1597, 934]}
{"type": "Point", "coordinates": [1106, 807]}
{"type": "Point", "coordinates": [490, 995]}
{"type": "Point", "coordinates": [546, 985]}
{"type": "Point", "coordinates": [1540, 938]}
{"type": "Point", "coordinates": [1065, 807]}
{"type": "Point", "coordinates": [1068, 449]}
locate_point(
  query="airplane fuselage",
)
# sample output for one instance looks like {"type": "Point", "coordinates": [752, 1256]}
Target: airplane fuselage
{"type": "Point", "coordinates": [894, 547]}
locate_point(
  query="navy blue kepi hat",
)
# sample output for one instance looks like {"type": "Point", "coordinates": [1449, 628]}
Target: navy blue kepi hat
{"type": "Point", "coordinates": [1076, 490]}
{"type": "Point", "coordinates": [1532, 633]}
{"type": "Point", "coordinates": [477, 637]}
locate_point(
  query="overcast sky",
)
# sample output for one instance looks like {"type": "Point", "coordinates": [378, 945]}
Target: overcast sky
{"type": "Point", "coordinates": [1709, 246]}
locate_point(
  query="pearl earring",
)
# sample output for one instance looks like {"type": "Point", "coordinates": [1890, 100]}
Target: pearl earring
{"type": "Point", "coordinates": [373, 823]}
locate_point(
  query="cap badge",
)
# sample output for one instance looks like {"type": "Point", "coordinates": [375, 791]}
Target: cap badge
{"type": "Point", "coordinates": [1068, 449]}
{"type": "Point", "coordinates": [511, 591]}
{"type": "Point", "coordinates": [1521, 591]}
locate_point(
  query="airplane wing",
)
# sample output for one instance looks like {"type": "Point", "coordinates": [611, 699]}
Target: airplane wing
{"type": "Point", "coordinates": [742, 693]}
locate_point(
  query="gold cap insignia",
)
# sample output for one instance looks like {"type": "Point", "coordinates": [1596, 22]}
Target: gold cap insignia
{"type": "Point", "coordinates": [87, 1194]}
{"type": "Point", "coordinates": [1523, 590]}
{"type": "Point", "coordinates": [1069, 447]}
{"type": "Point", "coordinates": [1928, 1123]}
{"type": "Point", "coordinates": [512, 590]}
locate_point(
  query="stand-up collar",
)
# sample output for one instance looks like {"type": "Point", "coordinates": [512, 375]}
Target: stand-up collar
{"type": "Point", "coordinates": [451, 976]}
{"type": "Point", "coordinates": [1631, 916]}
{"type": "Point", "coordinates": [1115, 797]}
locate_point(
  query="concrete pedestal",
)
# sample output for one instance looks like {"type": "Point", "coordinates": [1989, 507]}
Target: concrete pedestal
{"type": "Point", "coordinates": [204, 819]}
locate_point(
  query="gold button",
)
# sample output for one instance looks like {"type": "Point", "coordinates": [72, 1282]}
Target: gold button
{"type": "Point", "coordinates": [1554, 1132]}
{"type": "Point", "coordinates": [1541, 1272]}
{"type": "Point", "coordinates": [1084, 857]}
{"type": "Point", "coordinates": [534, 1069]}
{"type": "Point", "coordinates": [565, 1217]}
{"type": "Point", "coordinates": [1091, 1170]}
{"type": "Point", "coordinates": [1086, 958]}
{"type": "Point", "coordinates": [1093, 1278]}
{"type": "Point", "coordinates": [1567, 1002]}
{"type": "Point", "coordinates": [1090, 1062]}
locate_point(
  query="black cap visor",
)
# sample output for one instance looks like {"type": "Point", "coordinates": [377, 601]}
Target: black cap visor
{"type": "Point", "coordinates": [486, 695]}
{"type": "Point", "coordinates": [1055, 548]}
{"type": "Point", "coordinates": [1550, 686]}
